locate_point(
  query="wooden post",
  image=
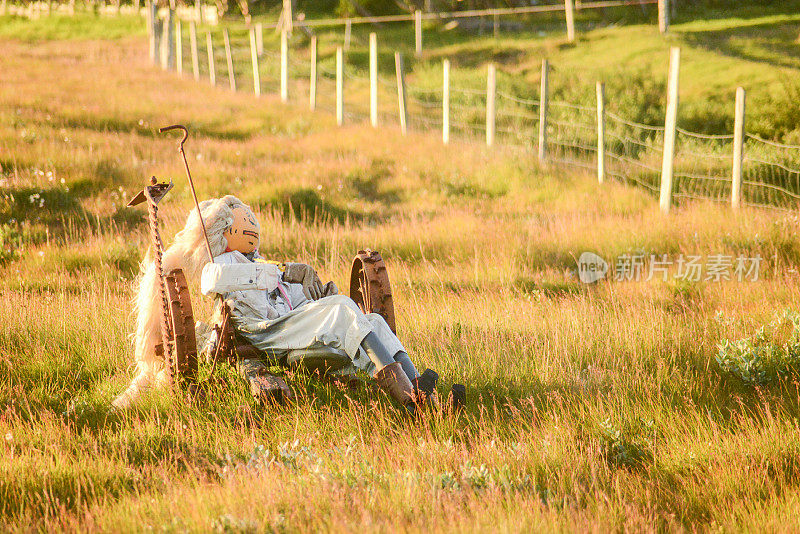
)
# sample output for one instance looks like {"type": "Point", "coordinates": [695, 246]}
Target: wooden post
{"type": "Point", "coordinates": [229, 59]}
{"type": "Point", "coordinates": [287, 16]}
{"type": "Point", "coordinates": [401, 92]}
{"type": "Point", "coordinates": [198, 12]}
{"type": "Point", "coordinates": [348, 27]}
{"type": "Point", "coordinates": [312, 82]}
{"type": "Point", "coordinates": [155, 32]}
{"type": "Point", "coordinates": [373, 79]}
{"type": "Point", "coordinates": [178, 47]}
{"type": "Point", "coordinates": [670, 125]}
{"type": "Point", "coordinates": [284, 66]}
{"type": "Point", "coordinates": [543, 112]}
{"type": "Point", "coordinates": [601, 133]}
{"type": "Point", "coordinates": [193, 44]}
{"type": "Point", "coordinates": [496, 26]}
{"type": "Point", "coordinates": [446, 101]}
{"type": "Point", "coordinates": [418, 32]}
{"type": "Point", "coordinates": [339, 86]}
{"type": "Point", "coordinates": [569, 11]}
{"type": "Point", "coordinates": [167, 45]}
{"type": "Point", "coordinates": [260, 38]}
{"type": "Point", "coordinates": [738, 148]}
{"type": "Point", "coordinates": [171, 39]}
{"type": "Point", "coordinates": [491, 89]}
{"type": "Point", "coordinates": [663, 16]}
{"type": "Point", "coordinates": [254, 61]}
{"type": "Point", "coordinates": [212, 68]}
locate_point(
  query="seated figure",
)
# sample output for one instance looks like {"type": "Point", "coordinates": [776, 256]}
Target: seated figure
{"type": "Point", "coordinates": [277, 308]}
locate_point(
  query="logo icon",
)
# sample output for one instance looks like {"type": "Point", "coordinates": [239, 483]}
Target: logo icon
{"type": "Point", "coordinates": [591, 268]}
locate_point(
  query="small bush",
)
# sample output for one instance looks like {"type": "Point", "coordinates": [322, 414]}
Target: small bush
{"type": "Point", "coordinates": [626, 449]}
{"type": "Point", "coordinates": [14, 237]}
{"type": "Point", "coordinates": [9, 244]}
{"type": "Point", "coordinates": [764, 356]}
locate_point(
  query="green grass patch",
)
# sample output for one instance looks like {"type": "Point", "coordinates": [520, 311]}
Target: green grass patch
{"type": "Point", "coordinates": [81, 26]}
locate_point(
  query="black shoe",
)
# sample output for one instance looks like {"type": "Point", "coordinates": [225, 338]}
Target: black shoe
{"type": "Point", "coordinates": [457, 398]}
{"type": "Point", "coordinates": [425, 385]}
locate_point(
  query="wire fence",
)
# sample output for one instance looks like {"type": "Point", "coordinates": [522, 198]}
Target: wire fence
{"type": "Point", "coordinates": [633, 152]}
{"type": "Point", "coordinates": [771, 173]}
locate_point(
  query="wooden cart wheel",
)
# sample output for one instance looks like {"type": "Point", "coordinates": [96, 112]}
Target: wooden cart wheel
{"type": "Point", "coordinates": [182, 324]}
{"type": "Point", "coordinates": [369, 286]}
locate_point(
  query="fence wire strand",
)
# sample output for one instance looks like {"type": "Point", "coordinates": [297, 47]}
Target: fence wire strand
{"type": "Point", "coordinates": [633, 150]}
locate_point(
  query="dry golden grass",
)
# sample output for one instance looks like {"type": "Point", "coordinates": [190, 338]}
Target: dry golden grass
{"type": "Point", "coordinates": [590, 407]}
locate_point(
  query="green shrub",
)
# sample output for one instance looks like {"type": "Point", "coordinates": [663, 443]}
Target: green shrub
{"type": "Point", "coordinates": [626, 448]}
{"type": "Point", "coordinates": [9, 243]}
{"type": "Point", "coordinates": [764, 356]}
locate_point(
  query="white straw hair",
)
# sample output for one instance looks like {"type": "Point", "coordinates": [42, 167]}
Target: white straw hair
{"type": "Point", "coordinates": [187, 252]}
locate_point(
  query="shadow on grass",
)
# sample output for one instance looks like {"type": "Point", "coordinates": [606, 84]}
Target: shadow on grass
{"type": "Point", "coordinates": [305, 204]}
{"type": "Point", "coordinates": [222, 131]}
{"type": "Point", "coordinates": [728, 9]}
{"type": "Point", "coordinates": [771, 43]}
{"type": "Point", "coordinates": [54, 211]}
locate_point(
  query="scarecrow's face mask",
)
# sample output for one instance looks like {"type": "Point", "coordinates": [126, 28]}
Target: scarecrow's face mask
{"type": "Point", "coordinates": [243, 233]}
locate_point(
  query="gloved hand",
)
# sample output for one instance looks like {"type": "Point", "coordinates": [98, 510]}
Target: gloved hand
{"type": "Point", "coordinates": [330, 289]}
{"type": "Point", "coordinates": [313, 289]}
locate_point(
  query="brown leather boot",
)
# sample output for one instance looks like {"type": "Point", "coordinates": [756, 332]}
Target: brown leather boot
{"type": "Point", "coordinates": [393, 380]}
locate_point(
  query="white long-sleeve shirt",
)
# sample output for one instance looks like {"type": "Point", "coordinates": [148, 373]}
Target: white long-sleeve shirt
{"type": "Point", "coordinates": [253, 288]}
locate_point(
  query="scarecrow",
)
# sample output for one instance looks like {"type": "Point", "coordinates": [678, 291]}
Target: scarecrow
{"type": "Point", "coordinates": [276, 308]}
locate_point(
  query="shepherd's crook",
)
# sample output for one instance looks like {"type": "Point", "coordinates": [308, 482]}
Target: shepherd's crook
{"type": "Point", "coordinates": [191, 183]}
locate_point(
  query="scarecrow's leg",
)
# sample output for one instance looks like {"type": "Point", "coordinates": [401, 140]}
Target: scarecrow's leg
{"type": "Point", "coordinates": [389, 373]}
{"type": "Point", "coordinates": [424, 385]}
{"type": "Point", "coordinates": [408, 366]}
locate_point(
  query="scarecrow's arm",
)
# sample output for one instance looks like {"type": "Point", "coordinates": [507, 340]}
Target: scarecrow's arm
{"type": "Point", "coordinates": [220, 278]}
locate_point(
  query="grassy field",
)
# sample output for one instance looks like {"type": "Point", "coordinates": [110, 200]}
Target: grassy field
{"type": "Point", "coordinates": [592, 408]}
